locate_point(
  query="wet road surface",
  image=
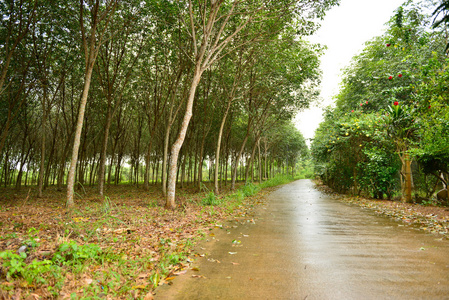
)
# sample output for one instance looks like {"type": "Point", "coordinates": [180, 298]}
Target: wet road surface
{"type": "Point", "coordinates": [305, 245]}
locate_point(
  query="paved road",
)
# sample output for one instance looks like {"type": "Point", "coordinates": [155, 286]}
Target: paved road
{"type": "Point", "coordinates": [306, 245]}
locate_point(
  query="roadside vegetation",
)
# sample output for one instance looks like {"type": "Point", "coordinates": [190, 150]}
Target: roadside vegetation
{"type": "Point", "coordinates": [387, 136]}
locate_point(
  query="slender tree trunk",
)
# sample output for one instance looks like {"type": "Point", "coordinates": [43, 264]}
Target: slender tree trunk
{"type": "Point", "coordinates": [42, 162]}
{"type": "Point", "coordinates": [237, 159]}
{"type": "Point", "coordinates": [176, 147]}
{"type": "Point", "coordinates": [260, 162]}
{"type": "Point", "coordinates": [407, 180]}
{"type": "Point", "coordinates": [165, 159]}
{"type": "Point", "coordinates": [104, 148]}
{"type": "Point", "coordinates": [251, 159]}
{"type": "Point", "coordinates": [217, 152]}
{"type": "Point", "coordinates": [76, 143]}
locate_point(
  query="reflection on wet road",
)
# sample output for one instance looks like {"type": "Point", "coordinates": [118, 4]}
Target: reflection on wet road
{"type": "Point", "coordinates": [306, 245]}
{"type": "Point", "coordinates": [352, 254]}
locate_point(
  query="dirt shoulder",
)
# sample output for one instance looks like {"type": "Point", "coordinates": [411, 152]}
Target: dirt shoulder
{"type": "Point", "coordinates": [432, 219]}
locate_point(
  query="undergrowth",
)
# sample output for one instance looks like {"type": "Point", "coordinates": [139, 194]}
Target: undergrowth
{"type": "Point", "coordinates": [108, 246]}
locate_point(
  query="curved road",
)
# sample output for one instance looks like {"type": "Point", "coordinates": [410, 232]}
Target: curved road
{"type": "Point", "coordinates": [306, 245]}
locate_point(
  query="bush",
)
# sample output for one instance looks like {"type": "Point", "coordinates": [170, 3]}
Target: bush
{"type": "Point", "coordinates": [249, 189]}
{"type": "Point", "coordinates": [211, 199]}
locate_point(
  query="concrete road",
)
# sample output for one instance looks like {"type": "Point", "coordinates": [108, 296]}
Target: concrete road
{"type": "Point", "coordinates": [306, 245]}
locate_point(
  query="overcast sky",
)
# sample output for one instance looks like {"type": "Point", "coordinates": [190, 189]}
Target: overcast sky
{"type": "Point", "coordinates": [344, 31]}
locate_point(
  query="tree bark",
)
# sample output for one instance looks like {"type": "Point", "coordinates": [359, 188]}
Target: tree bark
{"type": "Point", "coordinates": [91, 46]}
{"type": "Point", "coordinates": [407, 178]}
{"type": "Point", "coordinates": [101, 169]}
{"type": "Point", "coordinates": [76, 144]}
{"type": "Point", "coordinates": [171, 188]}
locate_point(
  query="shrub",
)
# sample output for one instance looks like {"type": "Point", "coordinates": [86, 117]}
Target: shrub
{"type": "Point", "coordinates": [211, 199]}
{"type": "Point", "coordinates": [249, 189]}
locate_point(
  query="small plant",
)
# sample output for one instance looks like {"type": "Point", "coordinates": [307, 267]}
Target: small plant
{"type": "Point", "coordinates": [249, 189]}
{"type": "Point", "coordinates": [13, 263]}
{"type": "Point", "coordinates": [211, 199]}
{"type": "Point", "coordinates": [9, 236]}
{"type": "Point", "coordinates": [71, 253]}
{"type": "Point", "coordinates": [107, 205]}
{"type": "Point", "coordinates": [35, 272]}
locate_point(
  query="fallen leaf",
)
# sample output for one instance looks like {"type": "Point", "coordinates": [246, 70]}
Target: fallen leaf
{"type": "Point", "coordinates": [140, 287]}
{"type": "Point", "coordinates": [180, 273]}
{"type": "Point", "coordinates": [232, 253]}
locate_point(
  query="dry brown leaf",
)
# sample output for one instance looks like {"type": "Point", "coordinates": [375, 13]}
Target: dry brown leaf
{"type": "Point", "coordinates": [139, 287]}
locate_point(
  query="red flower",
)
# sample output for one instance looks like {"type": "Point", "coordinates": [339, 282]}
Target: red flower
{"type": "Point", "coordinates": [361, 104]}
{"type": "Point", "coordinates": [396, 103]}
{"type": "Point", "coordinates": [366, 102]}
{"type": "Point", "coordinates": [388, 45]}
{"type": "Point", "coordinates": [400, 75]}
{"type": "Point", "coordinates": [391, 77]}
{"type": "Point", "coordinates": [430, 106]}
{"type": "Point", "coordinates": [352, 110]}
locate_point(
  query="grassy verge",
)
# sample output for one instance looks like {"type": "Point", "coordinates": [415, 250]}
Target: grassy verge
{"type": "Point", "coordinates": [121, 246]}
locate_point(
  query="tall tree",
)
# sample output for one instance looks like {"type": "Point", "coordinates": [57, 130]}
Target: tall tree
{"type": "Point", "coordinates": [93, 27]}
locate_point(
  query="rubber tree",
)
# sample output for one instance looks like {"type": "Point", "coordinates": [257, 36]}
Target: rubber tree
{"type": "Point", "coordinates": [94, 19]}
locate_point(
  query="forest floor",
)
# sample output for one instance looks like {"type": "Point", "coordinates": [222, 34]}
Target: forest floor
{"type": "Point", "coordinates": [124, 245]}
{"type": "Point", "coordinates": [117, 247]}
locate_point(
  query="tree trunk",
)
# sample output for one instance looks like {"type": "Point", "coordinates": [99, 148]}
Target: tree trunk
{"type": "Point", "coordinates": [217, 152]}
{"type": "Point", "coordinates": [76, 143]}
{"type": "Point", "coordinates": [165, 159]}
{"type": "Point", "coordinates": [176, 147]}
{"type": "Point", "coordinates": [407, 178]}
{"type": "Point", "coordinates": [237, 159]}
{"type": "Point", "coordinates": [104, 148]}
{"type": "Point", "coordinates": [260, 162]}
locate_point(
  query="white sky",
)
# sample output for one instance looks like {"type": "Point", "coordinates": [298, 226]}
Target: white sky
{"type": "Point", "coordinates": [344, 31]}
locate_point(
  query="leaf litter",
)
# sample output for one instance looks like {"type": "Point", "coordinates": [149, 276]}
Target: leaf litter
{"type": "Point", "coordinates": [141, 245]}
